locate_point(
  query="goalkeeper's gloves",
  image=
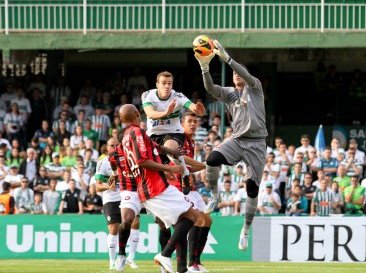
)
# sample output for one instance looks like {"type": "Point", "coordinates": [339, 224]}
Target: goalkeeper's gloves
{"type": "Point", "coordinates": [204, 61]}
{"type": "Point", "coordinates": [221, 52]}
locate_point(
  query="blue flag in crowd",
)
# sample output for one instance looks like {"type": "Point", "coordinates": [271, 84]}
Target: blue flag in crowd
{"type": "Point", "coordinates": [319, 139]}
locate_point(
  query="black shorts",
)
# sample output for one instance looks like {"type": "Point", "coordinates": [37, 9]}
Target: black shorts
{"type": "Point", "coordinates": [112, 212]}
{"type": "Point", "coordinates": [161, 139]}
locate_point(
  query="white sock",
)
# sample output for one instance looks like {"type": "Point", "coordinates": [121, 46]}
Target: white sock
{"type": "Point", "coordinates": [180, 161]}
{"type": "Point", "coordinates": [112, 247]}
{"type": "Point", "coordinates": [133, 242]}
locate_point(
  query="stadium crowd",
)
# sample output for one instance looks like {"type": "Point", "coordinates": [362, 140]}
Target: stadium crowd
{"type": "Point", "coordinates": [51, 140]}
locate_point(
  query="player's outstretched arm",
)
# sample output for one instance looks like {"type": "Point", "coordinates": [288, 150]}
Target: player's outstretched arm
{"type": "Point", "coordinates": [196, 166]}
{"type": "Point", "coordinates": [152, 114]}
{"type": "Point", "coordinates": [242, 71]}
{"type": "Point", "coordinates": [197, 108]}
{"type": "Point", "coordinates": [204, 61]}
{"type": "Point", "coordinates": [152, 165]}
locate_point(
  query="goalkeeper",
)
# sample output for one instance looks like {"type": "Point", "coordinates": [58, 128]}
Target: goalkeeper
{"type": "Point", "coordinates": [245, 101]}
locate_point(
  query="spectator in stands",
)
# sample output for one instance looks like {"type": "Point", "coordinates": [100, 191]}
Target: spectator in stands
{"type": "Point", "coordinates": [308, 190]}
{"type": "Point", "coordinates": [63, 184]}
{"type": "Point", "coordinates": [352, 164]}
{"type": "Point", "coordinates": [80, 121]}
{"type": "Point", "coordinates": [35, 145]}
{"type": "Point", "coordinates": [29, 166]}
{"type": "Point", "coordinates": [55, 169]}
{"type": "Point", "coordinates": [13, 158]}
{"type": "Point", "coordinates": [240, 199]}
{"type": "Point", "coordinates": [64, 105]}
{"type": "Point", "coordinates": [43, 133]}
{"type": "Point", "coordinates": [312, 162]}
{"type": "Point", "coordinates": [342, 179]}
{"type": "Point", "coordinates": [41, 183]}
{"type": "Point", "coordinates": [338, 198]}
{"type": "Point", "coordinates": [89, 164]}
{"type": "Point", "coordinates": [38, 83]}
{"type": "Point", "coordinates": [62, 126]}
{"type": "Point", "coordinates": [7, 97]}
{"type": "Point", "coordinates": [5, 142]}
{"type": "Point", "coordinates": [45, 156]}
{"type": "Point", "coordinates": [90, 133]}
{"type": "Point", "coordinates": [320, 175]}
{"type": "Point", "coordinates": [3, 171]}
{"type": "Point", "coordinates": [13, 177]}
{"type": "Point", "coordinates": [81, 178]}
{"type": "Point", "coordinates": [93, 203]}
{"type": "Point", "coordinates": [359, 155]}
{"type": "Point", "coordinates": [336, 149]}
{"type": "Point", "coordinates": [116, 125]}
{"type": "Point", "coordinates": [298, 174]}
{"type": "Point", "coordinates": [107, 105]}
{"type": "Point", "coordinates": [59, 90]}
{"type": "Point", "coordinates": [100, 124]}
{"type": "Point", "coordinates": [51, 199]}
{"type": "Point", "coordinates": [226, 203]}
{"type": "Point", "coordinates": [36, 207]}
{"type": "Point", "coordinates": [354, 197]}
{"type": "Point", "coordinates": [305, 145]}
{"type": "Point", "coordinates": [61, 133]}
{"type": "Point", "coordinates": [13, 122]}
{"type": "Point", "coordinates": [71, 200]}
{"type": "Point", "coordinates": [323, 200]}
{"type": "Point", "coordinates": [201, 133]}
{"type": "Point", "coordinates": [124, 99]}
{"type": "Point", "coordinates": [7, 203]}
{"type": "Point", "coordinates": [269, 202]}
{"type": "Point", "coordinates": [328, 164]}
{"type": "Point", "coordinates": [89, 145]}
{"type": "Point", "coordinates": [77, 137]}
{"type": "Point", "coordinates": [23, 197]}
{"type": "Point", "coordinates": [293, 207]}
{"type": "Point", "coordinates": [85, 106]}
{"type": "Point", "coordinates": [23, 104]}
{"type": "Point", "coordinates": [212, 136]}
{"type": "Point", "coordinates": [40, 111]}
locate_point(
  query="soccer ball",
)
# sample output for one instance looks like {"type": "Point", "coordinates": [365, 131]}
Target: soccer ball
{"type": "Point", "coordinates": [203, 45]}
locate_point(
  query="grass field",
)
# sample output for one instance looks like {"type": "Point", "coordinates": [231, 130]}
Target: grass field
{"type": "Point", "coordinates": [99, 266]}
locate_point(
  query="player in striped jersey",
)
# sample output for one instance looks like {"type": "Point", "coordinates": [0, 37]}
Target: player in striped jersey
{"type": "Point", "coordinates": [100, 124]}
{"type": "Point", "coordinates": [130, 207]}
{"type": "Point", "coordinates": [111, 201]}
{"type": "Point", "coordinates": [323, 200]}
{"type": "Point", "coordinates": [154, 191]}
{"type": "Point", "coordinates": [162, 107]}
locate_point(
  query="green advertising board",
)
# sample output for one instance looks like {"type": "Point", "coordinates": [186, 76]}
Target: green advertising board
{"type": "Point", "coordinates": [85, 237]}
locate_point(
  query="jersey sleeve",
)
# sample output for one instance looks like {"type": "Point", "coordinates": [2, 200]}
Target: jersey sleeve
{"type": "Point", "coordinates": [146, 100]}
{"type": "Point", "coordinates": [101, 173]}
{"type": "Point", "coordinates": [182, 101]}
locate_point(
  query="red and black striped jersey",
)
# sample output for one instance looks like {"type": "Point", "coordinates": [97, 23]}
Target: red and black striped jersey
{"type": "Point", "coordinates": [188, 146]}
{"type": "Point", "coordinates": [138, 147]}
{"type": "Point", "coordinates": [127, 181]}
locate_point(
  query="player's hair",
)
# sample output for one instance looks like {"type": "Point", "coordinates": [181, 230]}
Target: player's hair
{"type": "Point", "coordinates": [165, 74]}
{"type": "Point", "coordinates": [189, 114]}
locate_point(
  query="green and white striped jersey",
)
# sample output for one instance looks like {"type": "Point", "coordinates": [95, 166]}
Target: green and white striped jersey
{"type": "Point", "coordinates": [323, 202]}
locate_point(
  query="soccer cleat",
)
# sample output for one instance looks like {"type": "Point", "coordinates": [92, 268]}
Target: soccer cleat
{"type": "Point", "coordinates": [202, 268]}
{"type": "Point", "coordinates": [162, 270]}
{"type": "Point", "coordinates": [165, 262]}
{"type": "Point", "coordinates": [211, 205]}
{"type": "Point", "coordinates": [132, 264]}
{"type": "Point", "coordinates": [243, 241]}
{"type": "Point", "coordinates": [120, 263]}
{"type": "Point", "coordinates": [194, 269]}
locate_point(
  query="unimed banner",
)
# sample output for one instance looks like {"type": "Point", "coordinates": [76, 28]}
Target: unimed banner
{"type": "Point", "coordinates": [301, 239]}
{"type": "Point", "coordinates": [85, 237]}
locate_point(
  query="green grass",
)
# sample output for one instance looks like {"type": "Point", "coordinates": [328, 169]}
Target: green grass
{"type": "Point", "coordinates": [101, 266]}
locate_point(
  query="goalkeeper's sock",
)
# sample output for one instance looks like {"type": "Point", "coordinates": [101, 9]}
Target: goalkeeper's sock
{"type": "Point", "coordinates": [250, 209]}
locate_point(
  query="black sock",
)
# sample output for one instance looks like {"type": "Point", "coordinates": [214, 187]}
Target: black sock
{"type": "Point", "coordinates": [123, 235]}
{"type": "Point", "coordinates": [193, 236]}
{"type": "Point", "coordinates": [202, 239]}
{"type": "Point", "coordinates": [180, 232]}
{"type": "Point", "coordinates": [181, 252]}
{"type": "Point", "coordinates": [164, 237]}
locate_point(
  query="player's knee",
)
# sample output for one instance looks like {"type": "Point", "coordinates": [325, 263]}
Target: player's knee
{"type": "Point", "coordinates": [125, 226]}
{"type": "Point", "coordinates": [172, 144]}
{"type": "Point", "coordinates": [207, 222]}
{"type": "Point", "coordinates": [252, 188]}
{"type": "Point", "coordinates": [216, 159]}
{"type": "Point", "coordinates": [136, 223]}
{"type": "Point", "coordinates": [113, 229]}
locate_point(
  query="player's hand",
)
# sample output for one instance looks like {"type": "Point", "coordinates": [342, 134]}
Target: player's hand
{"type": "Point", "coordinates": [170, 176]}
{"type": "Point", "coordinates": [204, 61]}
{"type": "Point", "coordinates": [111, 180]}
{"type": "Point", "coordinates": [221, 52]}
{"type": "Point", "coordinates": [200, 109]}
{"type": "Point", "coordinates": [176, 169]}
{"type": "Point", "coordinates": [171, 107]}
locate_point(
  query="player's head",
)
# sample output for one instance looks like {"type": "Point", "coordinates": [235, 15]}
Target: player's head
{"type": "Point", "coordinates": [128, 114]}
{"type": "Point", "coordinates": [189, 123]}
{"type": "Point", "coordinates": [238, 81]}
{"type": "Point", "coordinates": [164, 84]}
{"type": "Point", "coordinates": [111, 143]}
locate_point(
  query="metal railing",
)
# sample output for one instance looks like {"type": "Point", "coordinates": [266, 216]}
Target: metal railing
{"type": "Point", "coordinates": [114, 16]}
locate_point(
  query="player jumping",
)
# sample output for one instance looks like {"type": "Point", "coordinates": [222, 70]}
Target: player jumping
{"type": "Point", "coordinates": [162, 107]}
{"type": "Point", "coordinates": [245, 101]}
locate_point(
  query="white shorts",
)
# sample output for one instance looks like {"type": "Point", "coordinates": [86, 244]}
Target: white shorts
{"type": "Point", "coordinates": [130, 200]}
{"type": "Point", "coordinates": [197, 201]}
{"type": "Point", "coordinates": [168, 205]}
